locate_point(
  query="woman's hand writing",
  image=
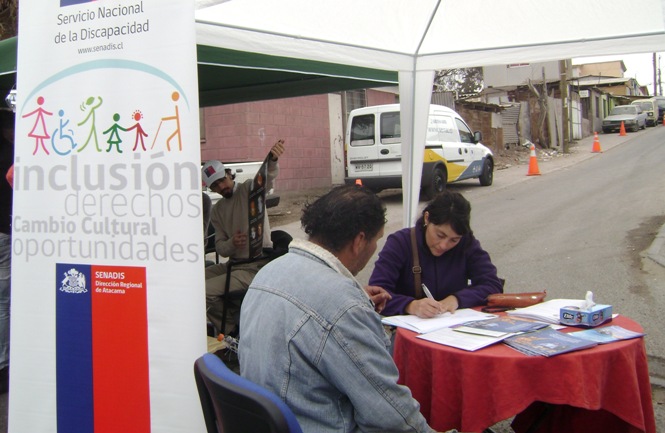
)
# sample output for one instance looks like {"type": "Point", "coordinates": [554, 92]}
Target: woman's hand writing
{"type": "Point", "coordinates": [449, 304]}
{"type": "Point", "coordinates": [424, 308]}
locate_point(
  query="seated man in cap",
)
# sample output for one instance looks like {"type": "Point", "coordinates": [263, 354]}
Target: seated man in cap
{"type": "Point", "coordinates": [229, 217]}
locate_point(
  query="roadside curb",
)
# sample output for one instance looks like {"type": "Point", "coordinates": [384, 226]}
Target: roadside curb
{"type": "Point", "coordinates": [656, 251]}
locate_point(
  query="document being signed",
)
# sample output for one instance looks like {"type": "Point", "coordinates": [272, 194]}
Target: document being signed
{"type": "Point", "coordinates": [445, 320]}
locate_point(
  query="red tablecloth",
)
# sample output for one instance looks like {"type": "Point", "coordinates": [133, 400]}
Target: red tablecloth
{"type": "Point", "coordinates": [607, 385]}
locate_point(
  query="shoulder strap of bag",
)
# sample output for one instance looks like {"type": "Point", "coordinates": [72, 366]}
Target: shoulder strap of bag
{"type": "Point", "coordinates": [417, 270]}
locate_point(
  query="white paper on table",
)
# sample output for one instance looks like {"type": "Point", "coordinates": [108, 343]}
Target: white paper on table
{"type": "Point", "coordinates": [461, 340]}
{"type": "Point", "coordinates": [445, 320]}
{"type": "Point", "coordinates": [548, 311]}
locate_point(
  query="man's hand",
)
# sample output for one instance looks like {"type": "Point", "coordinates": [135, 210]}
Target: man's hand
{"type": "Point", "coordinates": [277, 150]}
{"type": "Point", "coordinates": [379, 297]}
{"type": "Point", "coordinates": [239, 239]}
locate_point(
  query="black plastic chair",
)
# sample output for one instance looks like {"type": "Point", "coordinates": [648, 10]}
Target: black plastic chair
{"type": "Point", "coordinates": [209, 245]}
{"type": "Point", "coordinates": [233, 404]}
{"type": "Point", "coordinates": [280, 241]}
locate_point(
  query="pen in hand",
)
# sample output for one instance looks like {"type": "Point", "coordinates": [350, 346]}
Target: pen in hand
{"type": "Point", "coordinates": [429, 296]}
{"type": "Point", "coordinates": [427, 292]}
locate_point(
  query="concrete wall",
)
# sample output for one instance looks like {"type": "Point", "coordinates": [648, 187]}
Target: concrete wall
{"type": "Point", "coordinates": [517, 75]}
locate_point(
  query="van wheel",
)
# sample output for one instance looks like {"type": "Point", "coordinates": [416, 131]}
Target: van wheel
{"type": "Point", "coordinates": [487, 177]}
{"type": "Point", "coordinates": [436, 185]}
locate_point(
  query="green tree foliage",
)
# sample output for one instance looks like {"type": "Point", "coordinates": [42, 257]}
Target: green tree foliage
{"type": "Point", "coordinates": [463, 81]}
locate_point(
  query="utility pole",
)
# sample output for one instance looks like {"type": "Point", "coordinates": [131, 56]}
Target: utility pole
{"type": "Point", "coordinates": [660, 84]}
{"type": "Point", "coordinates": [565, 103]}
{"type": "Point", "coordinates": [655, 79]}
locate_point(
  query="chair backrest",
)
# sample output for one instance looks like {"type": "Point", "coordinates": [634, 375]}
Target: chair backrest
{"type": "Point", "coordinates": [233, 404]}
{"type": "Point", "coordinates": [280, 243]}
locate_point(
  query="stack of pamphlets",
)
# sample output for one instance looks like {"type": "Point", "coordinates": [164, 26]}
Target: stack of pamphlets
{"type": "Point", "coordinates": [500, 326]}
{"type": "Point", "coordinates": [547, 342]}
{"type": "Point", "coordinates": [547, 311]}
{"type": "Point", "coordinates": [607, 334]}
{"type": "Point", "coordinates": [445, 320]}
{"type": "Point", "coordinates": [475, 335]}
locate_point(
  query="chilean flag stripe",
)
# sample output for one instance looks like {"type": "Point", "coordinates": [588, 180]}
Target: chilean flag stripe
{"type": "Point", "coordinates": [102, 351]}
{"type": "Point", "coordinates": [120, 352]}
{"type": "Point", "coordinates": [73, 328]}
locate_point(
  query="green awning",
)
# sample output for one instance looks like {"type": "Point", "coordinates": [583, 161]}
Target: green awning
{"type": "Point", "coordinates": [229, 76]}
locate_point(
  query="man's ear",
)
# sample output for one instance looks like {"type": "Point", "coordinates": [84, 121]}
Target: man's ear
{"type": "Point", "coordinates": [358, 243]}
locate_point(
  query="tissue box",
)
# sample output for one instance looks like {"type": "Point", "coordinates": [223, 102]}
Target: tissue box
{"type": "Point", "coordinates": [573, 316]}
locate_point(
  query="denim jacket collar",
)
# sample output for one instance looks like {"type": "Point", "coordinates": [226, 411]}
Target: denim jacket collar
{"type": "Point", "coordinates": [327, 257]}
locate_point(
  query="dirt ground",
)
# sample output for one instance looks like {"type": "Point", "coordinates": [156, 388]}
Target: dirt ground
{"type": "Point", "coordinates": [291, 203]}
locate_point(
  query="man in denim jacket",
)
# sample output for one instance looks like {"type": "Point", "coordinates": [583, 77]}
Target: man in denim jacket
{"type": "Point", "coordinates": [309, 332]}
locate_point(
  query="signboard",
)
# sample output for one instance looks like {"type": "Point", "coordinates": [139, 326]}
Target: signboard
{"type": "Point", "coordinates": [584, 93]}
{"type": "Point", "coordinates": [108, 297]}
{"type": "Point", "coordinates": [257, 209]}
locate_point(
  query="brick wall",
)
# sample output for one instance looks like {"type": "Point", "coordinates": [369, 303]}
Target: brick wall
{"type": "Point", "coordinates": [479, 120]}
{"type": "Point", "coordinates": [247, 131]}
{"type": "Point", "coordinates": [376, 97]}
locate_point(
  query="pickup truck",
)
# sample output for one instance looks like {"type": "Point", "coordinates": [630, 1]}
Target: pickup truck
{"type": "Point", "coordinates": [244, 171]}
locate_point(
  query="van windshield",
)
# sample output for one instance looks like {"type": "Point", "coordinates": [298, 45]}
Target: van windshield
{"type": "Point", "coordinates": [623, 110]}
{"type": "Point", "coordinates": [646, 106]}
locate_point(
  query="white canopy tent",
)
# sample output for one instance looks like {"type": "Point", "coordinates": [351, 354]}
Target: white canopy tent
{"type": "Point", "coordinates": [417, 37]}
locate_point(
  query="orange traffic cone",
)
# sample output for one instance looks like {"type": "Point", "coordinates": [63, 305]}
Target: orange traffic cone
{"type": "Point", "coordinates": [596, 144]}
{"type": "Point", "coordinates": [359, 182]}
{"type": "Point", "coordinates": [622, 131]}
{"type": "Point", "coordinates": [533, 162]}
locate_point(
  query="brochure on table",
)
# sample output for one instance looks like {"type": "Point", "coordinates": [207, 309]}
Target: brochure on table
{"type": "Point", "coordinates": [547, 342]}
{"type": "Point", "coordinates": [500, 326]}
{"type": "Point", "coordinates": [607, 334]}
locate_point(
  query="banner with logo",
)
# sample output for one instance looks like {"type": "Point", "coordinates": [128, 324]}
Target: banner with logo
{"type": "Point", "coordinates": [108, 297]}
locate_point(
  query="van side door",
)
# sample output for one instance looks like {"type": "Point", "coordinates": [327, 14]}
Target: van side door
{"type": "Point", "coordinates": [390, 143]}
{"type": "Point", "coordinates": [473, 154]}
{"type": "Point", "coordinates": [443, 143]}
{"type": "Point", "coordinates": [362, 138]}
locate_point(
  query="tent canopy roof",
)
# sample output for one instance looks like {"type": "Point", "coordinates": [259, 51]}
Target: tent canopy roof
{"type": "Point", "coordinates": [430, 34]}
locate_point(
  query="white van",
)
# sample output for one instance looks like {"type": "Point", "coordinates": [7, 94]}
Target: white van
{"type": "Point", "coordinates": [452, 152]}
{"type": "Point", "coordinates": [649, 106]}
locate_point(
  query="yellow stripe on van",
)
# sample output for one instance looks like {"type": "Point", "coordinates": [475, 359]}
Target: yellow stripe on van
{"type": "Point", "coordinates": [454, 170]}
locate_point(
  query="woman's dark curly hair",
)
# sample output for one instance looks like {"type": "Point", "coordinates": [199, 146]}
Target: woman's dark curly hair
{"type": "Point", "coordinates": [336, 218]}
{"type": "Point", "coordinates": [449, 208]}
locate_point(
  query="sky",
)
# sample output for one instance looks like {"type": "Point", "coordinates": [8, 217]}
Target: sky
{"type": "Point", "coordinates": [638, 66]}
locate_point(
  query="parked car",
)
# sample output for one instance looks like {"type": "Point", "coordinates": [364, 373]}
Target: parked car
{"type": "Point", "coordinates": [650, 107]}
{"type": "Point", "coordinates": [660, 101]}
{"type": "Point", "coordinates": [632, 116]}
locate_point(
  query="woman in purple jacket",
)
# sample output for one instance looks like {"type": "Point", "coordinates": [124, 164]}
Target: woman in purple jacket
{"type": "Point", "coordinates": [455, 269]}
